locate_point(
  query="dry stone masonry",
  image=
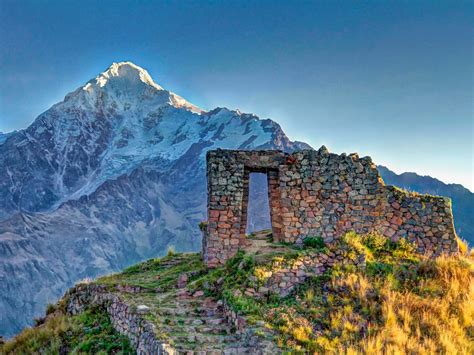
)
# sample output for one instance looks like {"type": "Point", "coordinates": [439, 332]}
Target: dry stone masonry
{"type": "Point", "coordinates": [317, 193]}
{"type": "Point", "coordinates": [125, 319]}
{"type": "Point", "coordinates": [281, 277]}
{"type": "Point", "coordinates": [236, 335]}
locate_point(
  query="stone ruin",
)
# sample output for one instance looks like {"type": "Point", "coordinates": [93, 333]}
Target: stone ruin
{"type": "Point", "coordinates": [319, 194]}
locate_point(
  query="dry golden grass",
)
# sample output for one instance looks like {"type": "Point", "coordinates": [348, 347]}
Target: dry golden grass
{"type": "Point", "coordinates": [441, 322]}
{"type": "Point", "coordinates": [400, 304]}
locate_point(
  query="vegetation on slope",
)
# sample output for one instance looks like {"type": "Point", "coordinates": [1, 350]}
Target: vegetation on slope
{"type": "Point", "coordinates": [88, 333]}
{"type": "Point", "coordinates": [157, 274]}
{"type": "Point", "coordinates": [400, 303]}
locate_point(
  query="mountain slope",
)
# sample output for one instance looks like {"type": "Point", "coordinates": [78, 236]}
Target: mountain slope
{"type": "Point", "coordinates": [393, 301]}
{"type": "Point", "coordinates": [462, 198]}
{"type": "Point", "coordinates": [112, 175]}
{"type": "Point", "coordinates": [4, 136]}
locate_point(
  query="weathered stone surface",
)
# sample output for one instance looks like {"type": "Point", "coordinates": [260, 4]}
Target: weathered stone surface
{"type": "Point", "coordinates": [223, 331]}
{"type": "Point", "coordinates": [182, 280]}
{"type": "Point", "coordinates": [124, 318]}
{"type": "Point", "coordinates": [143, 309]}
{"type": "Point", "coordinates": [316, 193]}
{"type": "Point", "coordinates": [283, 278]}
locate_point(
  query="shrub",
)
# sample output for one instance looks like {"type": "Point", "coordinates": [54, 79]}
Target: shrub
{"type": "Point", "coordinates": [50, 308]}
{"type": "Point", "coordinates": [314, 242]}
{"type": "Point", "coordinates": [463, 246]}
{"type": "Point", "coordinates": [203, 225]}
{"type": "Point", "coordinates": [171, 251]}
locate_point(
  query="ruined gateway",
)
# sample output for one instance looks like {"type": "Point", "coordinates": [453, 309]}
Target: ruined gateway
{"type": "Point", "coordinates": [317, 193]}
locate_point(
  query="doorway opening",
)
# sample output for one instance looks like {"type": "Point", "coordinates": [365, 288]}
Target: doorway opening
{"type": "Point", "coordinates": [261, 204]}
{"type": "Point", "coordinates": [258, 207]}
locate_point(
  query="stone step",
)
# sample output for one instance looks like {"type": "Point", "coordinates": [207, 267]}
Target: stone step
{"type": "Point", "coordinates": [205, 339]}
{"type": "Point", "coordinates": [234, 349]}
{"type": "Point", "coordinates": [200, 329]}
{"type": "Point", "coordinates": [189, 310]}
{"type": "Point", "coordinates": [183, 313]}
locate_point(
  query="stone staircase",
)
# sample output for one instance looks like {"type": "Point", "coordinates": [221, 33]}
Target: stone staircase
{"type": "Point", "coordinates": [197, 325]}
{"type": "Point", "coordinates": [192, 323]}
{"type": "Point", "coordinates": [261, 243]}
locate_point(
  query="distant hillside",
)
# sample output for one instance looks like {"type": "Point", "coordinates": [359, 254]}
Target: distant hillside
{"type": "Point", "coordinates": [462, 198]}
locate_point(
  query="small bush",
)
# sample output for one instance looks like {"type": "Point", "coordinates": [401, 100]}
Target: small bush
{"type": "Point", "coordinates": [50, 308]}
{"type": "Point", "coordinates": [39, 321]}
{"type": "Point", "coordinates": [314, 242]}
{"type": "Point", "coordinates": [203, 225]}
{"type": "Point", "coordinates": [171, 251]}
{"type": "Point", "coordinates": [463, 247]}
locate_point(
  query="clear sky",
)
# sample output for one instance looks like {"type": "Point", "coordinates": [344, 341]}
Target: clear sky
{"type": "Point", "coordinates": [390, 79]}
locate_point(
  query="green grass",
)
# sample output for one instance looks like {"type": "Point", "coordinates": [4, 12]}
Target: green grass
{"type": "Point", "coordinates": [401, 302]}
{"type": "Point", "coordinates": [314, 243]}
{"type": "Point", "coordinates": [159, 273]}
{"type": "Point", "coordinates": [87, 333]}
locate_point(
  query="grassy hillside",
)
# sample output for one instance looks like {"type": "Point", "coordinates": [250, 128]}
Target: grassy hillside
{"type": "Point", "coordinates": [87, 333]}
{"type": "Point", "coordinates": [400, 302]}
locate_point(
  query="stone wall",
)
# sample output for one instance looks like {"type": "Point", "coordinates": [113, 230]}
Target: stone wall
{"type": "Point", "coordinates": [128, 321]}
{"type": "Point", "coordinates": [283, 274]}
{"type": "Point", "coordinates": [125, 319]}
{"type": "Point", "coordinates": [282, 277]}
{"type": "Point", "coordinates": [316, 193]}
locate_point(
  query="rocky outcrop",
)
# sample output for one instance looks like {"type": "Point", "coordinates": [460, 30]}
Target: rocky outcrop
{"type": "Point", "coordinates": [281, 278]}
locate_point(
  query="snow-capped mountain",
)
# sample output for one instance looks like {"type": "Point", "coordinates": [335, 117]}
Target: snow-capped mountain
{"type": "Point", "coordinates": [114, 174]}
{"type": "Point", "coordinates": [4, 136]}
{"type": "Point", "coordinates": [107, 128]}
{"type": "Point", "coordinates": [109, 176]}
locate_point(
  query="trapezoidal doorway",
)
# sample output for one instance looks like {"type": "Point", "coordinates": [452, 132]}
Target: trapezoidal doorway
{"type": "Point", "coordinates": [228, 174]}
{"type": "Point", "coordinates": [260, 202]}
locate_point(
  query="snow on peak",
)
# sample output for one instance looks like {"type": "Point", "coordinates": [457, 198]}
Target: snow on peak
{"type": "Point", "coordinates": [128, 84]}
{"type": "Point", "coordinates": [126, 71]}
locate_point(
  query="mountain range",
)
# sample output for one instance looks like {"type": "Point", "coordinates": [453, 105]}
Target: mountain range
{"type": "Point", "coordinates": [115, 174]}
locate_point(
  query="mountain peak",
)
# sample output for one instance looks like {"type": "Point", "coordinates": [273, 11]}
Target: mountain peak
{"type": "Point", "coordinates": [129, 84]}
{"type": "Point", "coordinates": [125, 72]}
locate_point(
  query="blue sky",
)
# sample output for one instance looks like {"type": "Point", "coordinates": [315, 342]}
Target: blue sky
{"type": "Point", "coordinates": [393, 80]}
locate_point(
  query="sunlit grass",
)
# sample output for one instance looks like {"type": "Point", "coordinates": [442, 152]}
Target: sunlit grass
{"type": "Point", "coordinates": [401, 302]}
{"type": "Point", "coordinates": [88, 333]}
{"type": "Point", "coordinates": [410, 304]}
